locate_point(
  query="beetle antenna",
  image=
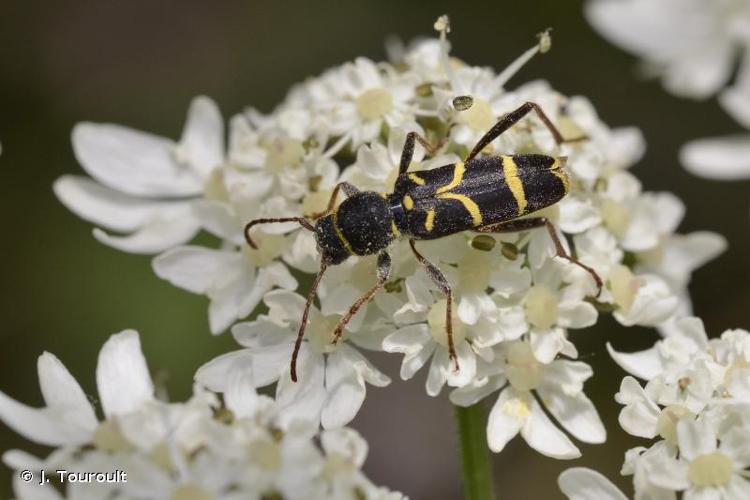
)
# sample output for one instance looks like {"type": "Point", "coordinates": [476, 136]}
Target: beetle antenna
{"type": "Point", "coordinates": [303, 222]}
{"type": "Point", "coordinates": [303, 324]}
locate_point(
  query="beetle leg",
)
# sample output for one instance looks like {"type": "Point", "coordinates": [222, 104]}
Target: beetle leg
{"type": "Point", "coordinates": [349, 190]}
{"type": "Point", "coordinates": [304, 222]}
{"type": "Point", "coordinates": [408, 152]}
{"type": "Point", "coordinates": [534, 222]}
{"type": "Point", "coordinates": [511, 119]}
{"type": "Point", "coordinates": [384, 270]}
{"type": "Point", "coordinates": [303, 324]}
{"type": "Point", "coordinates": [437, 277]}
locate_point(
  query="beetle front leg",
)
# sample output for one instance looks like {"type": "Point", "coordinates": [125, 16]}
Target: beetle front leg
{"type": "Point", "coordinates": [384, 270]}
{"type": "Point", "coordinates": [437, 277]}
{"type": "Point", "coordinates": [534, 222]}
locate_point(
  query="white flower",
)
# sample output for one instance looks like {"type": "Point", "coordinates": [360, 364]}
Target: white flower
{"type": "Point", "coordinates": [143, 184]}
{"type": "Point", "coordinates": [234, 280]}
{"type": "Point", "coordinates": [706, 468]}
{"type": "Point", "coordinates": [68, 418]}
{"type": "Point", "coordinates": [691, 44]}
{"type": "Point", "coordinates": [331, 378]}
{"type": "Point", "coordinates": [581, 483]}
{"type": "Point", "coordinates": [355, 100]}
{"type": "Point", "coordinates": [559, 385]}
{"type": "Point", "coordinates": [197, 449]}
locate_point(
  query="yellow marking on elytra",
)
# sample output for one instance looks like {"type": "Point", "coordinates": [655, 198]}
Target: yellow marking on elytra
{"type": "Point", "coordinates": [458, 174]}
{"type": "Point", "coordinates": [408, 202]}
{"type": "Point", "coordinates": [416, 179]}
{"type": "Point", "coordinates": [510, 170]}
{"type": "Point", "coordinates": [340, 234]}
{"type": "Point", "coordinates": [429, 222]}
{"type": "Point", "coordinates": [394, 229]}
{"type": "Point", "coordinates": [558, 171]}
{"type": "Point", "coordinates": [469, 204]}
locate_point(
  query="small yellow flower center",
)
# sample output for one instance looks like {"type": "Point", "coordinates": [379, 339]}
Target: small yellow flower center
{"type": "Point", "coordinates": [540, 305]}
{"type": "Point", "coordinates": [478, 117]}
{"type": "Point", "coordinates": [189, 491]}
{"type": "Point", "coordinates": [266, 454]}
{"type": "Point", "coordinates": [374, 103]}
{"type": "Point", "coordinates": [320, 333]}
{"type": "Point", "coordinates": [436, 321]}
{"type": "Point", "coordinates": [517, 407]}
{"type": "Point", "coordinates": [109, 438]}
{"type": "Point", "coordinates": [337, 465]}
{"type": "Point", "coordinates": [162, 457]}
{"type": "Point", "coordinates": [315, 202]}
{"type": "Point", "coordinates": [653, 256]}
{"type": "Point", "coordinates": [616, 217]}
{"type": "Point", "coordinates": [623, 285]}
{"type": "Point", "coordinates": [666, 424]}
{"type": "Point", "coordinates": [214, 187]}
{"type": "Point", "coordinates": [283, 152]}
{"type": "Point", "coordinates": [473, 275]}
{"type": "Point", "coordinates": [523, 370]}
{"type": "Point", "coordinates": [270, 247]}
{"type": "Point", "coordinates": [712, 469]}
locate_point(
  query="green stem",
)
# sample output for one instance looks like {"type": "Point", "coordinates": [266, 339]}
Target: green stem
{"type": "Point", "coordinates": [477, 470]}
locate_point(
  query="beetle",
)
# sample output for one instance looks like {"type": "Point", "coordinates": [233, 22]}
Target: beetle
{"type": "Point", "coordinates": [487, 194]}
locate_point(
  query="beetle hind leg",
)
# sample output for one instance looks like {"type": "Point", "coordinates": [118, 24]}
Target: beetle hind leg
{"type": "Point", "coordinates": [534, 222]}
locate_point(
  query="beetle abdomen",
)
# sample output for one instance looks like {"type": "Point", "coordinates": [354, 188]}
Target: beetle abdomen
{"type": "Point", "coordinates": [484, 191]}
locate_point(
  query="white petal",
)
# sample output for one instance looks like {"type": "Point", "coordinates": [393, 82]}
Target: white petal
{"type": "Point", "coordinates": [580, 483]}
{"type": "Point", "coordinates": [41, 425]}
{"type": "Point", "coordinates": [196, 269]}
{"type": "Point", "coordinates": [576, 413]}
{"type": "Point", "coordinates": [695, 437]}
{"type": "Point", "coordinates": [476, 391]}
{"type": "Point", "coordinates": [577, 314]}
{"type": "Point", "coordinates": [122, 376]}
{"type": "Point", "coordinates": [639, 417]}
{"type": "Point", "coordinates": [643, 364]}
{"type": "Point", "coordinates": [346, 443]}
{"type": "Point", "coordinates": [203, 136]}
{"type": "Point", "coordinates": [407, 340]}
{"type": "Point", "coordinates": [166, 229]}
{"type": "Point", "coordinates": [219, 219]}
{"type": "Point", "coordinates": [346, 392]}
{"type": "Point", "coordinates": [261, 333]}
{"type": "Point", "coordinates": [62, 393]}
{"type": "Point", "coordinates": [103, 206]}
{"type": "Point", "coordinates": [577, 215]}
{"type": "Point", "coordinates": [467, 363]}
{"type": "Point", "coordinates": [542, 435]}
{"type": "Point", "coordinates": [133, 162]}
{"type": "Point", "coordinates": [723, 158]}
{"type": "Point", "coordinates": [546, 344]}
{"type": "Point", "coordinates": [506, 418]}
{"type": "Point", "coordinates": [363, 367]}
{"type": "Point", "coordinates": [302, 400]}
{"type": "Point", "coordinates": [438, 372]}
{"type": "Point", "coordinates": [214, 374]}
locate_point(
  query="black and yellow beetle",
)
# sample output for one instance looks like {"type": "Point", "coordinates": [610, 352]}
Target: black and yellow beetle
{"type": "Point", "coordinates": [486, 195]}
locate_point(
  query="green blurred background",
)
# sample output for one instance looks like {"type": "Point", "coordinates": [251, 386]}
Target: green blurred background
{"type": "Point", "coordinates": [138, 63]}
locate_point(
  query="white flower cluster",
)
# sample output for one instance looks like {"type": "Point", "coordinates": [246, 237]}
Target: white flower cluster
{"type": "Point", "coordinates": [696, 402]}
{"type": "Point", "coordinates": [514, 299]}
{"type": "Point", "coordinates": [694, 46]}
{"type": "Point", "coordinates": [198, 450]}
